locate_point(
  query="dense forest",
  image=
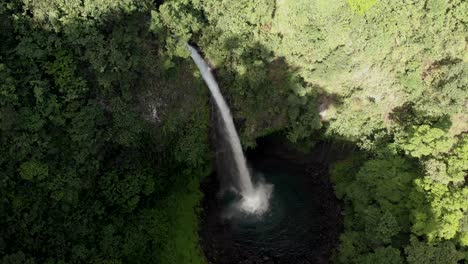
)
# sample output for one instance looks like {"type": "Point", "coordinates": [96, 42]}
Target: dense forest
{"type": "Point", "coordinates": [105, 122]}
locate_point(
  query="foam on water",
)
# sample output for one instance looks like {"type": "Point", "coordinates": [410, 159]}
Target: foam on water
{"type": "Point", "coordinates": [258, 201]}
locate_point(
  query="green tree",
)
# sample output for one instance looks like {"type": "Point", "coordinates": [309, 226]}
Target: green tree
{"type": "Point", "coordinates": [387, 255]}
{"type": "Point", "coordinates": [442, 253]}
{"type": "Point", "coordinates": [438, 209]}
{"type": "Point", "coordinates": [361, 6]}
{"type": "Point", "coordinates": [425, 141]}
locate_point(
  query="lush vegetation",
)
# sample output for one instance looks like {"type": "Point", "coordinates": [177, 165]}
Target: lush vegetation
{"type": "Point", "coordinates": [104, 121]}
{"type": "Point", "coordinates": [102, 147]}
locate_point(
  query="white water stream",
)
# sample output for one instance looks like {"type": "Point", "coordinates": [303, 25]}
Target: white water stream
{"type": "Point", "coordinates": [255, 198]}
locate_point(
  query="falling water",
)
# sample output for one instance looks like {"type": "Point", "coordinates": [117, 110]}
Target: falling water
{"type": "Point", "coordinates": [255, 198]}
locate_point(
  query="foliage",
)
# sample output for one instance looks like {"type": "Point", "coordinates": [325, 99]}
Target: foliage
{"type": "Point", "coordinates": [380, 194]}
{"type": "Point", "coordinates": [376, 191]}
{"type": "Point", "coordinates": [87, 174]}
{"type": "Point", "coordinates": [361, 6]}
{"type": "Point", "coordinates": [425, 141]}
{"type": "Point", "coordinates": [420, 252]}
{"type": "Point", "coordinates": [387, 255]}
{"type": "Point", "coordinates": [104, 125]}
{"type": "Point", "coordinates": [442, 210]}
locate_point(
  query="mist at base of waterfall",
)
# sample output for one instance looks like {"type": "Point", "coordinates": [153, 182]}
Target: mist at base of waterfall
{"type": "Point", "coordinates": [257, 202]}
{"type": "Point", "coordinates": [304, 218]}
{"type": "Point", "coordinates": [284, 228]}
{"type": "Point", "coordinates": [254, 203]}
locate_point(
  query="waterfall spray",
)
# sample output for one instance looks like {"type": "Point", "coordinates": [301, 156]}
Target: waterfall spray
{"type": "Point", "coordinates": [255, 198]}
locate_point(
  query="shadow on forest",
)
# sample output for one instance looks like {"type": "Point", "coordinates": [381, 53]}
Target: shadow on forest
{"type": "Point", "coordinates": [264, 92]}
{"type": "Point", "coordinates": [136, 135]}
{"type": "Point", "coordinates": [107, 185]}
{"type": "Point", "coordinates": [269, 99]}
{"type": "Point", "coordinates": [266, 95]}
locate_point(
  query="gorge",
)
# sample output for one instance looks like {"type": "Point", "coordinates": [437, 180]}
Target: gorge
{"type": "Point", "coordinates": [335, 132]}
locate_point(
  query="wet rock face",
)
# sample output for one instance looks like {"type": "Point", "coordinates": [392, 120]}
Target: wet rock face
{"type": "Point", "coordinates": [305, 220]}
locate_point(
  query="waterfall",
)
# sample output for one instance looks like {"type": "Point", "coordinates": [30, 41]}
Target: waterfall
{"type": "Point", "coordinates": [255, 198]}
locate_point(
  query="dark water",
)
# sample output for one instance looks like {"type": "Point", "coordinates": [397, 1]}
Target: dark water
{"type": "Point", "coordinates": [301, 226]}
{"type": "Point", "coordinates": [290, 226]}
